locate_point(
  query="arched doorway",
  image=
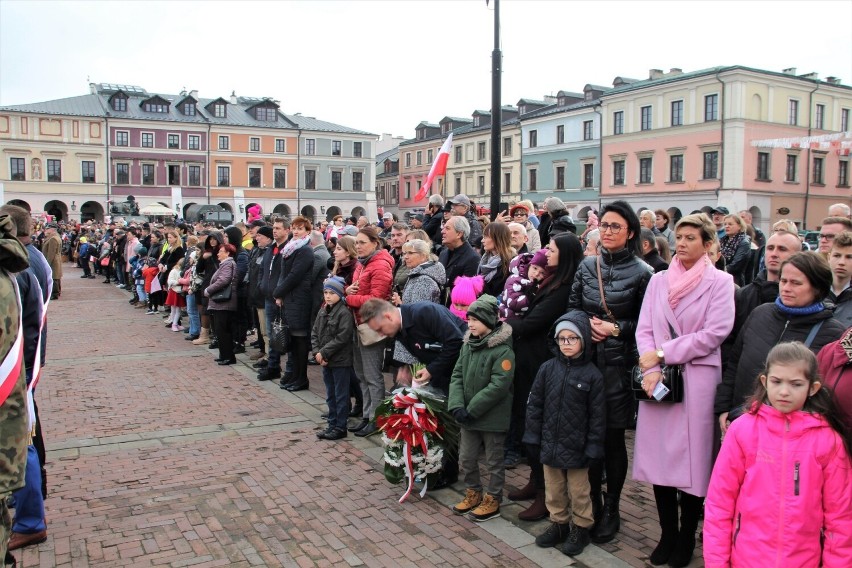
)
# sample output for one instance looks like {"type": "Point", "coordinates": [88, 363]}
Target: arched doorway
{"type": "Point", "coordinates": [20, 203]}
{"type": "Point", "coordinates": [583, 214]}
{"type": "Point", "coordinates": [332, 212]}
{"type": "Point", "coordinates": [186, 208]}
{"type": "Point", "coordinates": [227, 207]}
{"type": "Point", "coordinates": [281, 210]}
{"type": "Point", "coordinates": [58, 209]}
{"type": "Point", "coordinates": [359, 212]}
{"type": "Point", "coordinates": [309, 212]}
{"type": "Point", "coordinates": [91, 211]}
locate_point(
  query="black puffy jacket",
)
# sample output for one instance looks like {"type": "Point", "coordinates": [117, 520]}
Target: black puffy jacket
{"type": "Point", "coordinates": [746, 299]}
{"type": "Point", "coordinates": [766, 327]}
{"type": "Point", "coordinates": [566, 410]}
{"type": "Point", "coordinates": [294, 286]}
{"type": "Point", "coordinates": [254, 276]}
{"type": "Point", "coordinates": [625, 279]}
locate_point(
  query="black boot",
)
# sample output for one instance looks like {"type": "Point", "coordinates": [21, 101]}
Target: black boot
{"type": "Point", "coordinates": [690, 509]}
{"type": "Point", "coordinates": [597, 507]}
{"type": "Point", "coordinates": [605, 530]}
{"type": "Point", "coordinates": [554, 535]}
{"type": "Point", "coordinates": [578, 539]}
{"type": "Point", "coordinates": [666, 499]}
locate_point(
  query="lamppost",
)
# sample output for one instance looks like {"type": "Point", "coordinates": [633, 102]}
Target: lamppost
{"type": "Point", "coordinates": [496, 112]}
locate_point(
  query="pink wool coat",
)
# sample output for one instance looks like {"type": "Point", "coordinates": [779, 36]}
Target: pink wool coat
{"type": "Point", "coordinates": [674, 442]}
{"type": "Point", "coordinates": [779, 480]}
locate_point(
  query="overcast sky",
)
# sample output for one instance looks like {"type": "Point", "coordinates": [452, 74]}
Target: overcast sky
{"type": "Point", "coordinates": [383, 66]}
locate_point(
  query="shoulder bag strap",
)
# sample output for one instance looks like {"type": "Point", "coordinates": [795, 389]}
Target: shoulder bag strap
{"type": "Point", "coordinates": [601, 288]}
{"type": "Point", "coordinates": [813, 333]}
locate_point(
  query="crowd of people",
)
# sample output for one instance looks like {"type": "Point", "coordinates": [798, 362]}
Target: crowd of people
{"type": "Point", "coordinates": [548, 346]}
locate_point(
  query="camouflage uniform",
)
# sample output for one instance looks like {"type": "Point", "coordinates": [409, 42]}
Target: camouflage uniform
{"type": "Point", "coordinates": [13, 412]}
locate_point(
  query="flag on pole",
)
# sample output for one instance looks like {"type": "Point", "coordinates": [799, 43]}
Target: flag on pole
{"type": "Point", "coordinates": [439, 168]}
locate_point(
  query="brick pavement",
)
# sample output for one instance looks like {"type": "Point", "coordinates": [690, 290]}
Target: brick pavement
{"type": "Point", "coordinates": [159, 457]}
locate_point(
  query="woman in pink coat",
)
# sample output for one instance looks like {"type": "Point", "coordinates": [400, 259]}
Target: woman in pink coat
{"type": "Point", "coordinates": [687, 312]}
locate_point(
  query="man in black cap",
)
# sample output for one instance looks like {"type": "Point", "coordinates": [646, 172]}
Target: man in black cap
{"type": "Point", "coordinates": [417, 221]}
{"type": "Point", "coordinates": [461, 206]}
{"type": "Point", "coordinates": [718, 215]}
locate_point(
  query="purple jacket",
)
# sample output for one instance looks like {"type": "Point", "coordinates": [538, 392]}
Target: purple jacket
{"type": "Point", "coordinates": [224, 276]}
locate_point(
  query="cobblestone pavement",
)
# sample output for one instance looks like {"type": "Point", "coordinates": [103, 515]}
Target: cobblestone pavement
{"type": "Point", "coordinates": [159, 457]}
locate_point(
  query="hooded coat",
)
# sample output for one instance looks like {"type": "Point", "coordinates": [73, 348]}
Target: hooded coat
{"type": "Point", "coordinates": [481, 382]}
{"type": "Point", "coordinates": [779, 481]}
{"type": "Point", "coordinates": [566, 410]}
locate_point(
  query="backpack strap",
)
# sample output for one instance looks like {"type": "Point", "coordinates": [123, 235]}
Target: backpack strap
{"type": "Point", "coordinates": [813, 333]}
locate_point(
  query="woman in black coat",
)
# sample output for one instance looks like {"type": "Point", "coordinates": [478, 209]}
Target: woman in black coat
{"type": "Point", "coordinates": [624, 278]}
{"type": "Point", "coordinates": [529, 334]}
{"type": "Point", "coordinates": [735, 247]}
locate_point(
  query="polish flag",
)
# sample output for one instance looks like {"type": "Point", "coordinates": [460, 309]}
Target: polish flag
{"type": "Point", "coordinates": [439, 168]}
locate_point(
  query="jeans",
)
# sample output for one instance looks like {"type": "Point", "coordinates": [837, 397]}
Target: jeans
{"type": "Point", "coordinates": [336, 381]}
{"type": "Point", "coordinates": [140, 291]}
{"type": "Point", "coordinates": [194, 316]}
{"type": "Point", "coordinates": [29, 503]}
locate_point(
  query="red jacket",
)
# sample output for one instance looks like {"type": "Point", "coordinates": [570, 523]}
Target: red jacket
{"type": "Point", "coordinates": [835, 366]}
{"type": "Point", "coordinates": [779, 480]}
{"type": "Point", "coordinates": [149, 272]}
{"type": "Point", "coordinates": [374, 281]}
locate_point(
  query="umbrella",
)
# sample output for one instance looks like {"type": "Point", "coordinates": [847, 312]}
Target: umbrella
{"type": "Point", "coordinates": [156, 209]}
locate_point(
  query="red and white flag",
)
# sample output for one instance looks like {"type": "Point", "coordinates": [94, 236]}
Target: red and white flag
{"type": "Point", "coordinates": [439, 168]}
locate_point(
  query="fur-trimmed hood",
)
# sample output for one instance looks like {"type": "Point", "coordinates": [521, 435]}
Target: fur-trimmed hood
{"type": "Point", "coordinates": [499, 335]}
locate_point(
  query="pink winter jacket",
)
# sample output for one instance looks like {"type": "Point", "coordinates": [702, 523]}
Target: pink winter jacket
{"type": "Point", "coordinates": [778, 481]}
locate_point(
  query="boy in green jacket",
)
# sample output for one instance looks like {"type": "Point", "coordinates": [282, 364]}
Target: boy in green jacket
{"type": "Point", "coordinates": [480, 399]}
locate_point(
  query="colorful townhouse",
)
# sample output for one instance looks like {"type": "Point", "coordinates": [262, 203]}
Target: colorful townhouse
{"type": "Point", "coordinates": [689, 141]}
{"type": "Point", "coordinates": [561, 149]}
{"type": "Point", "coordinates": [469, 166]}
{"type": "Point", "coordinates": [72, 157]}
{"type": "Point", "coordinates": [387, 181]}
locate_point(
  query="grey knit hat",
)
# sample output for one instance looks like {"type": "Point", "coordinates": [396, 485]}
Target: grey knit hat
{"type": "Point", "coordinates": [570, 326]}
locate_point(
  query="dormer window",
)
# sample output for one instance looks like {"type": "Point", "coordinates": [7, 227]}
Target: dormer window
{"type": "Point", "coordinates": [589, 95]}
{"type": "Point", "coordinates": [266, 114]}
{"type": "Point", "coordinates": [476, 120]}
{"type": "Point", "coordinates": [189, 109]}
{"type": "Point", "coordinates": [119, 102]}
{"type": "Point", "coordinates": [522, 109]}
{"type": "Point", "coordinates": [219, 110]}
{"type": "Point", "coordinates": [156, 107]}
{"type": "Point", "coordinates": [445, 128]}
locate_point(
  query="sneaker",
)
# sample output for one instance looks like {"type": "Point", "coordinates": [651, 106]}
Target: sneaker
{"type": "Point", "coordinates": [488, 509]}
{"type": "Point", "coordinates": [332, 434]}
{"type": "Point", "coordinates": [578, 539]}
{"type": "Point", "coordinates": [555, 534]}
{"type": "Point", "coordinates": [472, 499]}
{"type": "Point", "coordinates": [150, 312]}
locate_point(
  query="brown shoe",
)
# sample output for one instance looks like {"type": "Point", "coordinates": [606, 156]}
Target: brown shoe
{"type": "Point", "coordinates": [257, 356]}
{"type": "Point", "coordinates": [536, 511]}
{"type": "Point", "coordinates": [488, 509]}
{"type": "Point", "coordinates": [472, 499]}
{"type": "Point", "coordinates": [20, 540]}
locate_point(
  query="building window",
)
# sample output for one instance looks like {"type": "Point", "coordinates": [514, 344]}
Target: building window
{"type": "Point", "coordinates": [223, 176]}
{"type": "Point", "coordinates": [310, 146]}
{"type": "Point", "coordinates": [189, 109]}
{"type": "Point", "coordinates": [174, 141]}
{"type": "Point", "coordinates": [266, 114]}
{"type": "Point", "coordinates": [336, 180]}
{"type": "Point", "coordinates": [818, 170]}
{"type": "Point", "coordinates": [507, 182]}
{"type": "Point", "coordinates": [419, 185]}
{"type": "Point", "coordinates": [430, 155]}
{"type": "Point", "coordinates": [358, 149]}
{"type": "Point", "coordinates": [119, 103]}
{"type": "Point", "coordinates": [254, 175]}
{"type": "Point", "coordinates": [793, 114]}
{"type": "Point", "coordinates": [646, 118]}
{"type": "Point", "coordinates": [194, 175]}
{"type": "Point", "coordinates": [419, 157]}
{"type": "Point", "coordinates": [533, 173]}
{"type": "Point", "coordinates": [677, 113]}
{"type": "Point", "coordinates": [310, 179]}
{"type": "Point", "coordinates": [533, 138]}
{"type": "Point", "coordinates": [122, 138]}
{"type": "Point", "coordinates": [763, 166]}
{"type": "Point", "coordinates": [588, 175]}
{"type": "Point", "coordinates": [54, 170]}
{"type": "Point", "coordinates": [88, 170]}
{"type": "Point", "coordinates": [645, 170]}
{"type": "Point", "coordinates": [254, 144]}
{"type": "Point", "coordinates": [219, 110]}
{"type": "Point", "coordinates": [173, 173]}
{"type": "Point", "coordinates": [481, 150]}
{"type": "Point", "coordinates": [618, 172]}
{"type": "Point", "coordinates": [844, 119]}
{"type": "Point", "coordinates": [458, 185]}
{"type": "Point", "coordinates": [481, 185]}
{"type": "Point", "coordinates": [588, 130]}
{"type": "Point", "coordinates": [224, 142]}
{"type": "Point", "coordinates": [147, 174]}
{"type": "Point", "coordinates": [194, 142]}
{"type": "Point", "coordinates": [711, 165]}
{"type": "Point", "coordinates": [819, 117]}
{"type": "Point", "coordinates": [618, 122]}
{"type": "Point", "coordinates": [507, 146]}
{"type": "Point", "coordinates": [408, 159]}
{"type": "Point", "coordinates": [792, 166]}
{"type": "Point", "coordinates": [560, 177]}
{"type": "Point", "coordinates": [335, 147]}
{"type": "Point", "coordinates": [408, 190]}
{"type": "Point", "coordinates": [18, 169]}
{"type": "Point", "coordinates": [458, 156]}
{"type": "Point", "coordinates": [560, 134]}
{"type": "Point", "coordinates": [357, 181]}
{"type": "Point", "coordinates": [279, 178]}
{"type": "Point", "coordinates": [147, 139]}
{"type": "Point", "coordinates": [676, 168]}
{"type": "Point", "coordinates": [280, 145]}
{"type": "Point", "coordinates": [711, 108]}
{"type": "Point", "coordinates": [843, 173]}
{"type": "Point", "coordinates": [156, 107]}
{"type": "Point", "coordinates": [122, 174]}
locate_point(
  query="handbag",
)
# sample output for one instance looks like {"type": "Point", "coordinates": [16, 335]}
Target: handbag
{"type": "Point", "coordinates": [367, 336]}
{"type": "Point", "coordinates": [105, 261]}
{"type": "Point", "coordinates": [672, 379]}
{"type": "Point", "coordinates": [279, 338]}
{"type": "Point", "coordinates": [222, 295]}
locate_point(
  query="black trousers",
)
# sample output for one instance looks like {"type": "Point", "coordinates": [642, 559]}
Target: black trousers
{"type": "Point", "coordinates": [224, 324]}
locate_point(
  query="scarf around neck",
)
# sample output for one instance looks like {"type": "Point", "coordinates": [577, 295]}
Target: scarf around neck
{"type": "Point", "coordinates": [364, 260]}
{"type": "Point", "coordinates": [488, 266]}
{"type": "Point", "coordinates": [294, 245]}
{"type": "Point", "coordinates": [682, 281]}
{"type": "Point", "coordinates": [803, 311]}
{"type": "Point", "coordinates": [729, 245]}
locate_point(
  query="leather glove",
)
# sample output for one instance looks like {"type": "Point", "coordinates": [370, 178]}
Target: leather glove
{"type": "Point", "coordinates": [461, 415]}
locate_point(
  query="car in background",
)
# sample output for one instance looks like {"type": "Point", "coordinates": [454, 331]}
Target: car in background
{"type": "Point", "coordinates": [810, 238]}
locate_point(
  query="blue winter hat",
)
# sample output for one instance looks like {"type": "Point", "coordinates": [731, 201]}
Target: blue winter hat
{"type": "Point", "coordinates": [336, 284]}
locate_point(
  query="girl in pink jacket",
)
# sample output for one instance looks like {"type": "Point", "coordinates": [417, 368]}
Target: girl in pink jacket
{"type": "Point", "coordinates": [783, 479]}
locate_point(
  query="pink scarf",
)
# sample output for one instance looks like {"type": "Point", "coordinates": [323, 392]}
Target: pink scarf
{"type": "Point", "coordinates": [682, 281]}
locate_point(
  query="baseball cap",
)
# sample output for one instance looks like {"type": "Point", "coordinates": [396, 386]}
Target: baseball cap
{"type": "Point", "coordinates": [419, 217]}
{"type": "Point", "coordinates": [460, 199]}
{"type": "Point", "coordinates": [721, 210]}
{"type": "Point", "coordinates": [387, 215]}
